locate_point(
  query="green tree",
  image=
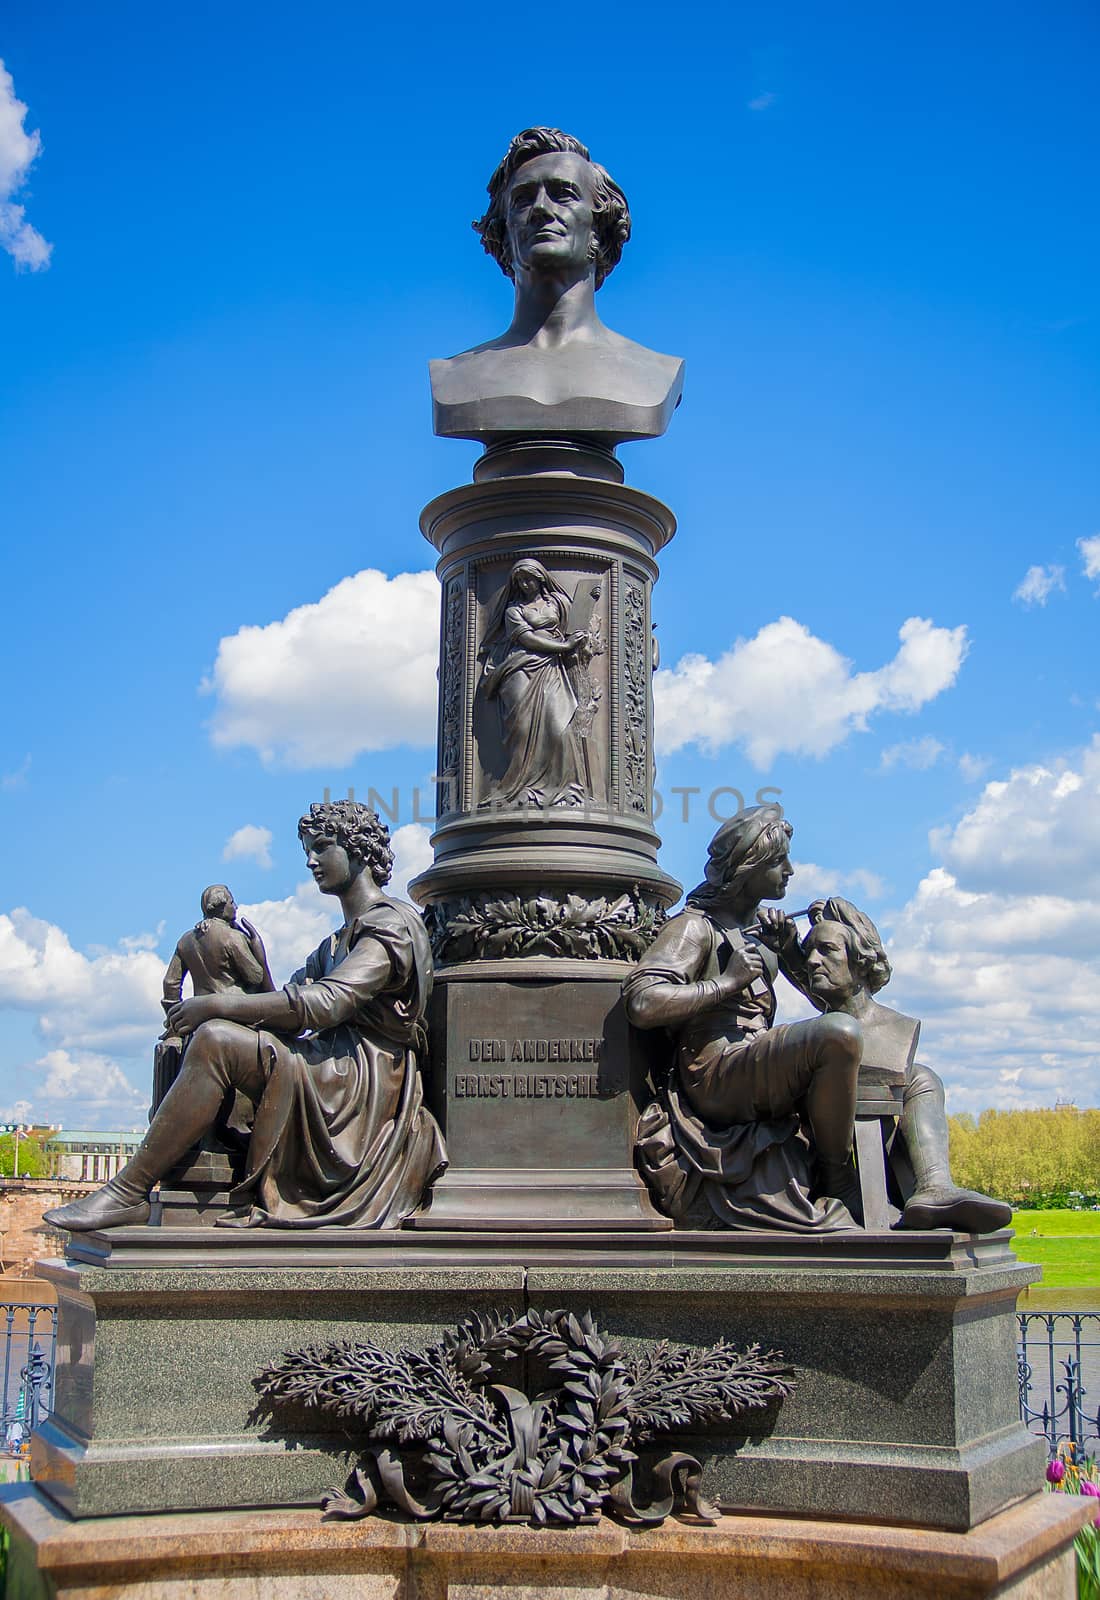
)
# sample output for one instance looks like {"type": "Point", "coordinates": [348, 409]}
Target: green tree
{"type": "Point", "coordinates": [1033, 1158]}
{"type": "Point", "coordinates": [32, 1159]}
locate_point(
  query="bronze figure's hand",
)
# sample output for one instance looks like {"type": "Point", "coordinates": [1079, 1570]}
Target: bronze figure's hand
{"type": "Point", "coordinates": [777, 930]}
{"type": "Point", "coordinates": [187, 1015]}
{"type": "Point", "coordinates": [745, 965]}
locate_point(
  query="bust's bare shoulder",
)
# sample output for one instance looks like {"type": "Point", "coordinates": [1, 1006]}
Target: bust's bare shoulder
{"type": "Point", "coordinates": [513, 355]}
{"type": "Point", "coordinates": [606, 385]}
{"type": "Point", "coordinates": [889, 1039]}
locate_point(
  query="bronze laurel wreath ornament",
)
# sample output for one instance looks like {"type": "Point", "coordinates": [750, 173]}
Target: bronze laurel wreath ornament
{"type": "Point", "coordinates": [475, 1449]}
{"type": "Point", "coordinates": [483, 927]}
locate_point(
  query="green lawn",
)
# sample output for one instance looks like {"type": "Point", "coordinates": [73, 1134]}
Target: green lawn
{"type": "Point", "coordinates": [1066, 1244]}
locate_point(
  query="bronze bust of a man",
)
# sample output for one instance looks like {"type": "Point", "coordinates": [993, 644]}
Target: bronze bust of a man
{"type": "Point", "coordinates": [556, 225]}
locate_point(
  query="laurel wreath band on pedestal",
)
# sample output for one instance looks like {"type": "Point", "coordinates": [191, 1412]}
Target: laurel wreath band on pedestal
{"type": "Point", "coordinates": [475, 1448]}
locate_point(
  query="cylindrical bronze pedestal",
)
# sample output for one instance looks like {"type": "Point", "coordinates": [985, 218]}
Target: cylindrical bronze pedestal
{"type": "Point", "coordinates": [545, 880]}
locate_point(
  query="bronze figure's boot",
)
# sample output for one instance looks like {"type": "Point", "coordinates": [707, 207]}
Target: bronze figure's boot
{"type": "Point", "coordinates": [938, 1202]}
{"type": "Point", "coordinates": [837, 1180]}
{"type": "Point", "coordinates": [186, 1112]}
{"type": "Point", "coordinates": [117, 1205]}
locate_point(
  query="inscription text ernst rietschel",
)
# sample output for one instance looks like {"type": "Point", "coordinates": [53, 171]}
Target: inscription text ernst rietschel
{"type": "Point", "coordinates": [532, 1085]}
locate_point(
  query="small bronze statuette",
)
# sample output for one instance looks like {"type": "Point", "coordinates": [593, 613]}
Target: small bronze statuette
{"type": "Point", "coordinates": [561, 1449]}
{"type": "Point", "coordinates": [221, 954]}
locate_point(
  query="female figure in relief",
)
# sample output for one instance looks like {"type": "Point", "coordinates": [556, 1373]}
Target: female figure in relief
{"type": "Point", "coordinates": [524, 675]}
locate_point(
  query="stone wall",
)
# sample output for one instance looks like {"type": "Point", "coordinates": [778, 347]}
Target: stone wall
{"type": "Point", "coordinates": [24, 1237]}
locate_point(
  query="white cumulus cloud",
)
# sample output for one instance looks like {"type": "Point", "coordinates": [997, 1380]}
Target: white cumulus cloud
{"type": "Point", "coordinates": [1090, 555]}
{"type": "Point", "coordinates": [356, 672]}
{"type": "Point", "coordinates": [18, 149]}
{"type": "Point", "coordinates": [1035, 832]}
{"type": "Point", "coordinates": [1009, 990]}
{"type": "Point", "coordinates": [84, 1089]}
{"type": "Point", "coordinates": [293, 926]}
{"type": "Point", "coordinates": [412, 853]}
{"type": "Point", "coordinates": [811, 882]}
{"type": "Point", "coordinates": [105, 999]}
{"type": "Point", "coordinates": [998, 950]}
{"type": "Point", "coordinates": [974, 767]}
{"type": "Point", "coordinates": [249, 843]}
{"type": "Point", "coordinates": [785, 690]}
{"type": "Point", "coordinates": [90, 1007]}
{"type": "Point", "coordinates": [352, 672]}
{"type": "Point", "coordinates": [1038, 584]}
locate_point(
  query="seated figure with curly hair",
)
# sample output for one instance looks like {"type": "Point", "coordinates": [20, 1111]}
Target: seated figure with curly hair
{"type": "Point", "coordinates": [844, 965]}
{"type": "Point", "coordinates": [753, 1126]}
{"type": "Point", "coordinates": [556, 225]}
{"type": "Point", "coordinates": [341, 1136]}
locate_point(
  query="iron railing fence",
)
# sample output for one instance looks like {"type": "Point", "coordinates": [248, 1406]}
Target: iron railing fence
{"type": "Point", "coordinates": [29, 1335]}
{"type": "Point", "coordinates": [1058, 1362]}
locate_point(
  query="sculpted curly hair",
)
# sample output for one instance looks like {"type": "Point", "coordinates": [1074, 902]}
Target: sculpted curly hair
{"type": "Point", "coordinates": [611, 218]}
{"type": "Point", "coordinates": [360, 830]}
{"type": "Point", "coordinates": [865, 948]}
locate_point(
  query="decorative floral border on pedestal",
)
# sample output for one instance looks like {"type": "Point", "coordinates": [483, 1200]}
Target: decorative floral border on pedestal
{"type": "Point", "coordinates": [490, 926]}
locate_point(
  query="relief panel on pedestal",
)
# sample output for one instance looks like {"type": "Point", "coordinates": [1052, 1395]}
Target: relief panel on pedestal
{"type": "Point", "coordinates": [541, 712]}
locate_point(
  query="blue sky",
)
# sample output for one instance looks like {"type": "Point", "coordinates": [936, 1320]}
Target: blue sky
{"type": "Point", "coordinates": [871, 232]}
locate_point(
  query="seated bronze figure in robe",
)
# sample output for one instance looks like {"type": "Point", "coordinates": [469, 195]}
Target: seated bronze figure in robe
{"type": "Point", "coordinates": [331, 1063]}
{"type": "Point", "coordinates": [723, 1145]}
{"type": "Point", "coordinates": [556, 225]}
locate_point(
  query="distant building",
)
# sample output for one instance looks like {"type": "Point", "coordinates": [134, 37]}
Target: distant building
{"type": "Point", "coordinates": [90, 1156]}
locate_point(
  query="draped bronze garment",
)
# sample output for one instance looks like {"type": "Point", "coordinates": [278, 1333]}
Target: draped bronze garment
{"type": "Point", "coordinates": [341, 1135]}
{"type": "Point", "coordinates": [722, 1143]}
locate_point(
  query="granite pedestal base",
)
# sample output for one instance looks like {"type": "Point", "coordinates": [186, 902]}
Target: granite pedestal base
{"type": "Point", "coordinates": [1022, 1554]}
{"type": "Point", "coordinates": [905, 1409]}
